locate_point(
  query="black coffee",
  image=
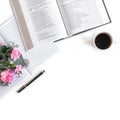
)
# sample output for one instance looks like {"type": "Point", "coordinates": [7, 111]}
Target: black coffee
{"type": "Point", "coordinates": [103, 41]}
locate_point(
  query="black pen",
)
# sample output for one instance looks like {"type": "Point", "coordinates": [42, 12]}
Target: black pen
{"type": "Point", "coordinates": [29, 82]}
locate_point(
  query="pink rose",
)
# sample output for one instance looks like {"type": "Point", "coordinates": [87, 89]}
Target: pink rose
{"type": "Point", "coordinates": [18, 69]}
{"type": "Point", "coordinates": [1, 44]}
{"type": "Point", "coordinates": [7, 76]}
{"type": "Point", "coordinates": [15, 54]}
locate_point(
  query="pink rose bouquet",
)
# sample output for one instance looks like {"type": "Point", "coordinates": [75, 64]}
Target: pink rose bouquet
{"type": "Point", "coordinates": [11, 63]}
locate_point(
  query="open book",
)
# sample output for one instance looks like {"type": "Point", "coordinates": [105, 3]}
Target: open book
{"type": "Point", "coordinates": [50, 20]}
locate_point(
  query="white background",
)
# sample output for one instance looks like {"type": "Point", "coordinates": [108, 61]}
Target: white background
{"type": "Point", "coordinates": [80, 83]}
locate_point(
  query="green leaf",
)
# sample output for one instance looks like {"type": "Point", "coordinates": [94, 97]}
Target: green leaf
{"type": "Point", "coordinates": [3, 69]}
{"type": "Point", "coordinates": [20, 61]}
{"type": "Point", "coordinates": [2, 55]}
{"type": "Point", "coordinates": [8, 51]}
{"type": "Point", "coordinates": [3, 49]}
{"type": "Point", "coordinates": [12, 66]}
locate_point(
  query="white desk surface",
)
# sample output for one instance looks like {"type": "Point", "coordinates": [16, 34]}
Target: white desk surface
{"type": "Point", "coordinates": [80, 83]}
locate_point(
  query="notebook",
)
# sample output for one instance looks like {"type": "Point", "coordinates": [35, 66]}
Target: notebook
{"type": "Point", "coordinates": [9, 33]}
{"type": "Point", "coordinates": [51, 20]}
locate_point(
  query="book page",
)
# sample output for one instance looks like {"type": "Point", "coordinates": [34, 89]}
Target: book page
{"type": "Point", "coordinates": [45, 17]}
{"type": "Point", "coordinates": [39, 55]}
{"type": "Point", "coordinates": [10, 33]}
{"type": "Point", "coordinates": [80, 15]}
{"type": "Point", "coordinates": [103, 11]}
